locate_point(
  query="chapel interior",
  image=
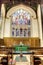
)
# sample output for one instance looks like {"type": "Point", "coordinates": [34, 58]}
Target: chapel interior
{"type": "Point", "coordinates": [21, 32]}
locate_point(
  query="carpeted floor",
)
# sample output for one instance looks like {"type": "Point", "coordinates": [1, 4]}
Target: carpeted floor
{"type": "Point", "coordinates": [22, 59]}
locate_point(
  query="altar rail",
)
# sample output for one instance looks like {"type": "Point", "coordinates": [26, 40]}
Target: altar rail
{"type": "Point", "coordinates": [32, 50]}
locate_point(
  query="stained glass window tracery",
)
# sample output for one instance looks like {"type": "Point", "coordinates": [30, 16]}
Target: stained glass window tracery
{"type": "Point", "coordinates": [21, 18]}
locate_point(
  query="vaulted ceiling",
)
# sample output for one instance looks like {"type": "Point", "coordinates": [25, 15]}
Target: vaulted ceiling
{"type": "Point", "coordinates": [32, 3]}
{"type": "Point", "coordinates": [6, 1]}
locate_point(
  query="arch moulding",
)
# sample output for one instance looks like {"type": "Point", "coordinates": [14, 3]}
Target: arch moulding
{"type": "Point", "coordinates": [21, 6]}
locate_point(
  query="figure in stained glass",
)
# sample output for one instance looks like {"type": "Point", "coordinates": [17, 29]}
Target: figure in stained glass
{"type": "Point", "coordinates": [20, 21]}
{"type": "Point", "coordinates": [21, 17]}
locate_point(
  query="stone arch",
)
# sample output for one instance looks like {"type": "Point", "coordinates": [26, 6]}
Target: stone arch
{"type": "Point", "coordinates": [21, 6]}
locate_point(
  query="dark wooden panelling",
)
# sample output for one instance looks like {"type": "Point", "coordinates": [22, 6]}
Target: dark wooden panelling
{"type": "Point", "coordinates": [1, 42]}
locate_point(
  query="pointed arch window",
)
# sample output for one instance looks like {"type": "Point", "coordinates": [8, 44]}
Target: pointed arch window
{"type": "Point", "coordinates": [21, 22]}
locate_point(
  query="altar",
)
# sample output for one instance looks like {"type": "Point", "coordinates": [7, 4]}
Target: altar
{"type": "Point", "coordinates": [20, 48]}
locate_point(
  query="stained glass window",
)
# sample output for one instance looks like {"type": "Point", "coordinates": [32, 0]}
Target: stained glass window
{"type": "Point", "coordinates": [17, 32]}
{"type": "Point", "coordinates": [21, 18]}
{"type": "Point", "coordinates": [12, 33]}
{"type": "Point", "coordinates": [21, 32]}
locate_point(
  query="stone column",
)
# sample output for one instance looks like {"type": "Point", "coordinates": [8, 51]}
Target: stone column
{"type": "Point", "coordinates": [7, 30]}
{"type": "Point", "coordinates": [34, 27]}
{"type": "Point", "coordinates": [3, 19]}
{"type": "Point", "coordinates": [40, 24]}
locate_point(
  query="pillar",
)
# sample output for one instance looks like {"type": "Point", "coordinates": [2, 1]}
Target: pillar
{"type": "Point", "coordinates": [34, 27]}
{"type": "Point", "coordinates": [3, 19]}
{"type": "Point", "coordinates": [7, 30]}
{"type": "Point", "coordinates": [40, 24]}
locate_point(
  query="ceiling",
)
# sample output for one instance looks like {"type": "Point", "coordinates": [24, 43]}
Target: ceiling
{"type": "Point", "coordinates": [28, 1]}
{"type": "Point", "coordinates": [6, 1]}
